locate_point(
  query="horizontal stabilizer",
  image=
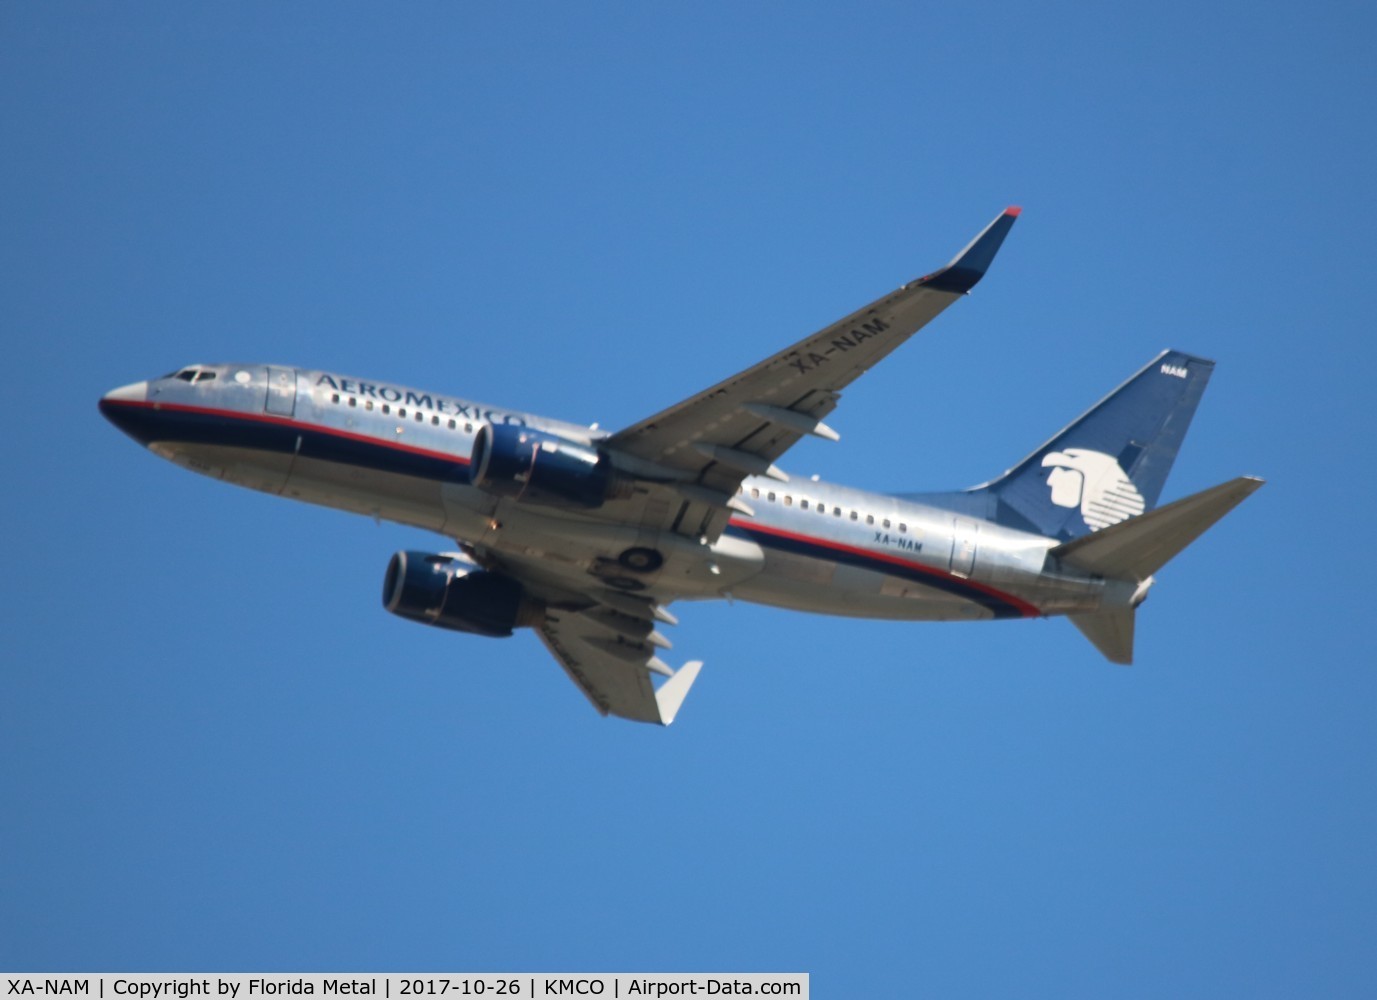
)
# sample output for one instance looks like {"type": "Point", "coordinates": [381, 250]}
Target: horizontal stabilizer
{"type": "Point", "coordinates": [1137, 548]}
{"type": "Point", "coordinates": [1111, 632]}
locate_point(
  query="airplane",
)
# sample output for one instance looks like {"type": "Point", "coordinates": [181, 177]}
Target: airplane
{"type": "Point", "coordinates": [587, 536]}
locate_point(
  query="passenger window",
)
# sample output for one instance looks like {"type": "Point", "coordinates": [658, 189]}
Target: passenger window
{"type": "Point", "coordinates": [368, 404]}
{"type": "Point", "coordinates": [822, 508]}
{"type": "Point", "coordinates": [771, 498]}
{"type": "Point", "coordinates": [870, 519]}
{"type": "Point", "coordinates": [334, 397]}
{"type": "Point", "coordinates": [468, 427]}
{"type": "Point", "coordinates": [803, 504]}
{"type": "Point", "coordinates": [788, 500]}
{"type": "Point", "coordinates": [836, 512]}
{"type": "Point", "coordinates": [420, 417]}
{"type": "Point", "coordinates": [353, 401]}
{"type": "Point", "coordinates": [451, 423]}
{"type": "Point", "coordinates": [755, 493]}
{"type": "Point", "coordinates": [886, 522]}
{"type": "Point", "coordinates": [401, 412]}
{"type": "Point", "coordinates": [903, 528]}
{"type": "Point", "coordinates": [386, 408]}
{"type": "Point", "coordinates": [855, 516]}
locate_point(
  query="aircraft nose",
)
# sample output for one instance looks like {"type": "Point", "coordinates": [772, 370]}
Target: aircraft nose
{"type": "Point", "coordinates": [134, 392]}
{"type": "Point", "coordinates": [122, 406]}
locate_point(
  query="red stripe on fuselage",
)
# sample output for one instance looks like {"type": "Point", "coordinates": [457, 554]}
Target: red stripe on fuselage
{"type": "Point", "coordinates": [1021, 606]}
{"type": "Point", "coordinates": [268, 418]}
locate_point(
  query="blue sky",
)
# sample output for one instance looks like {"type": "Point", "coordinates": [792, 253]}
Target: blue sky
{"type": "Point", "coordinates": [218, 752]}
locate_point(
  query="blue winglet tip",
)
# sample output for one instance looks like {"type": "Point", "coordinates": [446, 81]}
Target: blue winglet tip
{"type": "Point", "coordinates": [969, 266]}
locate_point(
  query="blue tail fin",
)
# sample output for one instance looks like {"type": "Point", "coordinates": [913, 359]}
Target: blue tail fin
{"type": "Point", "coordinates": [1111, 463]}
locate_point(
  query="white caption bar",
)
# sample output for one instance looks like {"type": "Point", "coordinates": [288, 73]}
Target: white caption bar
{"type": "Point", "coordinates": [454, 985]}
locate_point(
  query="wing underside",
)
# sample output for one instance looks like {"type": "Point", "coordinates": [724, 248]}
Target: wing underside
{"type": "Point", "coordinates": [607, 640]}
{"type": "Point", "coordinates": [611, 663]}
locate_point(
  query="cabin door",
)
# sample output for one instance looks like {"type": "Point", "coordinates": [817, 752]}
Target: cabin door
{"type": "Point", "coordinates": [963, 546]}
{"type": "Point", "coordinates": [281, 391]}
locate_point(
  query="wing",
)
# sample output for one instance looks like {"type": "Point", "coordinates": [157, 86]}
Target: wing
{"type": "Point", "coordinates": [689, 461]}
{"type": "Point", "coordinates": [710, 442]}
{"type": "Point", "coordinates": [606, 639]}
{"type": "Point", "coordinates": [603, 653]}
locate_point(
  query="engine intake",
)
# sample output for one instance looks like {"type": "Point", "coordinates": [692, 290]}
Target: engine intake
{"type": "Point", "coordinates": [524, 464]}
{"type": "Point", "coordinates": [454, 594]}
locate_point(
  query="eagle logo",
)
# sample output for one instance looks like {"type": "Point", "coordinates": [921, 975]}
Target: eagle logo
{"type": "Point", "coordinates": [1094, 482]}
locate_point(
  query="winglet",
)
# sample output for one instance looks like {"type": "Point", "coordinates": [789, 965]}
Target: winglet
{"type": "Point", "coordinates": [970, 265]}
{"type": "Point", "coordinates": [672, 692]}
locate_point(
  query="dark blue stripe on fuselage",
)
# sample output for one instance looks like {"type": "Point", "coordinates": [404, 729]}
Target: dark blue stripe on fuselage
{"type": "Point", "coordinates": [183, 425]}
{"type": "Point", "coordinates": [382, 457]}
{"type": "Point", "coordinates": [848, 556]}
{"type": "Point", "coordinates": [188, 425]}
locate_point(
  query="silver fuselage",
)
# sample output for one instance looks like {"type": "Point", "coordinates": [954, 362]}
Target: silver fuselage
{"type": "Point", "coordinates": [403, 455]}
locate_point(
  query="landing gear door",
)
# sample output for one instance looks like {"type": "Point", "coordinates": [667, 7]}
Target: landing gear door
{"type": "Point", "coordinates": [281, 391]}
{"type": "Point", "coordinates": [963, 547]}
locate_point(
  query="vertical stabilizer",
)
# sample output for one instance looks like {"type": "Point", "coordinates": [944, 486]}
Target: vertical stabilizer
{"type": "Point", "coordinates": [1112, 462]}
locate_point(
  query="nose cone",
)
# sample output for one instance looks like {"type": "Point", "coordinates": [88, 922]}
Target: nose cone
{"type": "Point", "coordinates": [134, 392]}
{"type": "Point", "coordinates": [124, 407]}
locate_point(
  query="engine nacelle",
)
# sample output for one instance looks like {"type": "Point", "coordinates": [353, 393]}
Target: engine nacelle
{"type": "Point", "coordinates": [524, 464]}
{"type": "Point", "coordinates": [453, 593]}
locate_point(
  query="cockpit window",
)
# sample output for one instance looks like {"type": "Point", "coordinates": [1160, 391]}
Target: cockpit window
{"type": "Point", "coordinates": [194, 375]}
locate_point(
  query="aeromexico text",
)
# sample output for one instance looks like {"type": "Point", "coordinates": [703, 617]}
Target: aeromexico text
{"type": "Point", "coordinates": [421, 400]}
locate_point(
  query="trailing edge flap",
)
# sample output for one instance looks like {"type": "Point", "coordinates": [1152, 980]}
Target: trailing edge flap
{"type": "Point", "coordinates": [1137, 548]}
{"type": "Point", "coordinates": [1111, 632]}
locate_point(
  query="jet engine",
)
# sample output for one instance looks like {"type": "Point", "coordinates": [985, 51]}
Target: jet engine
{"type": "Point", "coordinates": [524, 464]}
{"type": "Point", "coordinates": [453, 593]}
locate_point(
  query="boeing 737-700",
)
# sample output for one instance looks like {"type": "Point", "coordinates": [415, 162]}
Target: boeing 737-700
{"type": "Point", "coordinates": [587, 536]}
